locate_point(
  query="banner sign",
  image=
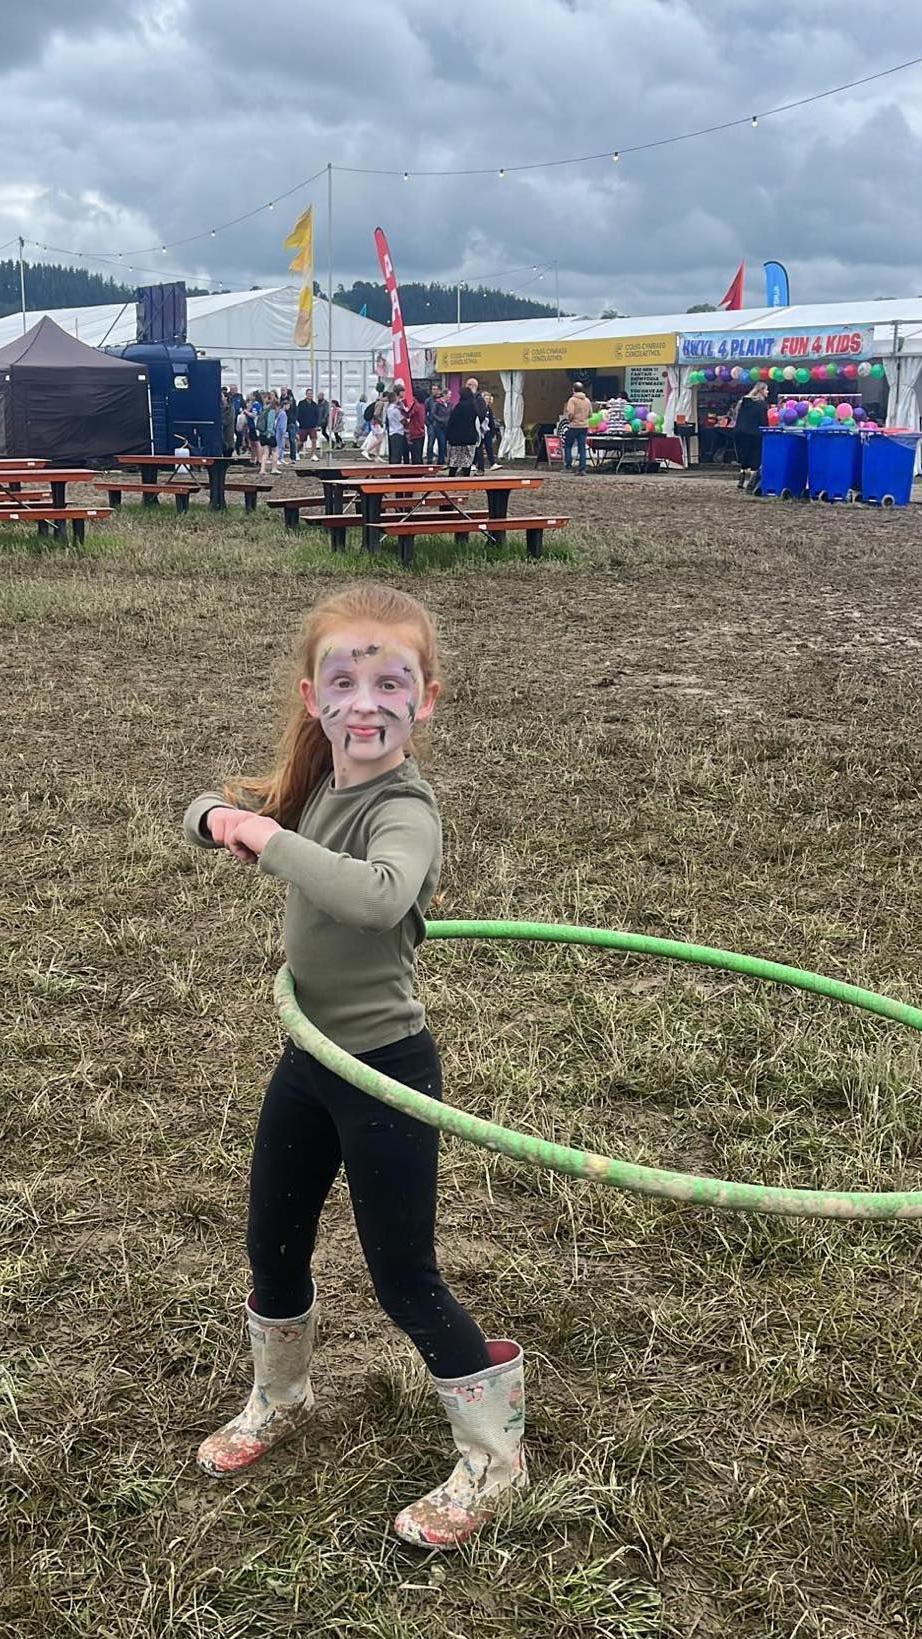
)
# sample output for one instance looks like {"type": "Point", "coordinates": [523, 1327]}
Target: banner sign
{"type": "Point", "coordinates": [777, 287]}
{"type": "Point", "coordinates": [646, 384]}
{"type": "Point", "coordinates": [556, 355]}
{"type": "Point", "coordinates": [790, 347]}
{"type": "Point", "coordinates": [398, 334]}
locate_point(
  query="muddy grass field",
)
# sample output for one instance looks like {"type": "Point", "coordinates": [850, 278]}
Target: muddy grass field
{"type": "Point", "coordinates": [698, 718]}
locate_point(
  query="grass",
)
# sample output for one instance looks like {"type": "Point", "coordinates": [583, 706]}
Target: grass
{"type": "Point", "coordinates": [697, 721]}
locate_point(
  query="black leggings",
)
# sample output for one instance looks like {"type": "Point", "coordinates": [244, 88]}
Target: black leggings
{"type": "Point", "coordinates": [311, 1123]}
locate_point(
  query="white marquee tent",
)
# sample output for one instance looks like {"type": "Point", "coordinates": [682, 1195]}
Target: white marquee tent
{"type": "Point", "coordinates": [251, 333]}
{"type": "Point", "coordinates": [896, 326]}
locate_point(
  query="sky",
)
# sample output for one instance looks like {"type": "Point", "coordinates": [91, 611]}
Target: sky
{"type": "Point", "coordinates": [133, 123]}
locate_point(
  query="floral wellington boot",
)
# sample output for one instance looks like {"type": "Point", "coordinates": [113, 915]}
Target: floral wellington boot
{"type": "Point", "coordinates": [282, 1397]}
{"type": "Point", "coordinates": [487, 1416]}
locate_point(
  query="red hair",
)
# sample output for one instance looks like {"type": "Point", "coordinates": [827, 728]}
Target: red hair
{"type": "Point", "coordinates": [304, 756]}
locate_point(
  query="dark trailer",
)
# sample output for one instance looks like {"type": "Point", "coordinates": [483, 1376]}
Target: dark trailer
{"type": "Point", "coordinates": [69, 403]}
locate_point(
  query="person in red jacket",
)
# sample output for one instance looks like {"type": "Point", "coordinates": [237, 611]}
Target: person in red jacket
{"type": "Point", "coordinates": [416, 431]}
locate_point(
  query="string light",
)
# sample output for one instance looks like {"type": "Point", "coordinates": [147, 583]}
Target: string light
{"type": "Point", "coordinates": [614, 155]}
{"type": "Point", "coordinates": [502, 172]}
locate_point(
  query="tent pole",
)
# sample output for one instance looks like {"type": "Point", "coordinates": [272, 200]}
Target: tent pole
{"type": "Point", "coordinates": [330, 305]}
{"type": "Point", "coordinates": [22, 282]}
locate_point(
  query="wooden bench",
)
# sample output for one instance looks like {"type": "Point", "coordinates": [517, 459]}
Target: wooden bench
{"type": "Point", "coordinates": [249, 488]}
{"type": "Point", "coordinates": [150, 492]}
{"type": "Point", "coordinates": [436, 523]}
{"type": "Point", "coordinates": [293, 505]}
{"type": "Point", "coordinates": [59, 516]}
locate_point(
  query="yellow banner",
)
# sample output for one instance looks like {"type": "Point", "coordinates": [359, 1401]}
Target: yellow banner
{"type": "Point", "coordinates": [302, 234]}
{"type": "Point", "coordinates": [305, 320]}
{"type": "Point", "coordinates": [557, 355]}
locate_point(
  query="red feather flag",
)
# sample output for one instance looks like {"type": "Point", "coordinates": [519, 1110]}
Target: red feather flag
{"type": "Point", "coordinates": [734, 297]}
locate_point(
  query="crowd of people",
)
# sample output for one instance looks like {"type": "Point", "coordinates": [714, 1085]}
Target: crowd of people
{"type": "Point", "coordinates": [462, 436]}
{"type": "Point", "coordinates": [271, 428]}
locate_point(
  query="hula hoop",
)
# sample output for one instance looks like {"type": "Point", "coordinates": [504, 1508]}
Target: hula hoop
{"type": "Point", "coordinates": [675, 1186]}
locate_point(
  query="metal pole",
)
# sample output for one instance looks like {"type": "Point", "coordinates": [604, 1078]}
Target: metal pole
{"type": "Point", "coordinates": [329, 304]}
{"type": "Point", "coordinates": [22, 282]}
{"type": "Point", "coordinates": [557, 290]}
{"type": "Point", "coordinates": [459, 304]}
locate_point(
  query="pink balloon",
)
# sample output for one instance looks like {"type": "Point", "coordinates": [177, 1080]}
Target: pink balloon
{"type": "Point", "coordinates": [843, 412]}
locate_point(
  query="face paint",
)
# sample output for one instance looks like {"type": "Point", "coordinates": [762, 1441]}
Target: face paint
{"type": "Point", "coordinates": [368, 695]}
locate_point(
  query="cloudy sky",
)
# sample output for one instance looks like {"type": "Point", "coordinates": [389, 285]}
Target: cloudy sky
{"type": "Point", "coordinates": [128, 125]}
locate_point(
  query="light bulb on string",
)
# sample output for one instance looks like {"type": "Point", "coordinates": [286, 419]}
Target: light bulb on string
{"type": "Point", "coordinates": [502, 172]}
{"type": "Point", "coordinates": [406, 176]}
{"type": "Point", "coordinates": [755, 121]}
{"type": "Point", "coordinates": [163, 249]}
{"type": "Point", "coordinates": [615, 157]}
{"type": "Point", "coordinates": [214, 233]}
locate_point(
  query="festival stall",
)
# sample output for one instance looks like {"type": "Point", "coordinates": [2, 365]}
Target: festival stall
{"type": "Point", "coordinates": [810, 374]}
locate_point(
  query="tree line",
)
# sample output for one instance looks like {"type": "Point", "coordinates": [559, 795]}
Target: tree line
{"type": "Point", "coordinates": [438, 303]}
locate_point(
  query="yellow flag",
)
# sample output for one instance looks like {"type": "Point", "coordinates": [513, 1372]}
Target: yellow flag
{"type": "Point", "coordinates": [305, 319]}
{"type": "Point", "coordinates": [301, 236]}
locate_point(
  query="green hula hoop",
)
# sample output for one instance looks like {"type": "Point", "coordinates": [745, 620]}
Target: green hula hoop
{"type": "Point", "coordinates": [673, 1186]}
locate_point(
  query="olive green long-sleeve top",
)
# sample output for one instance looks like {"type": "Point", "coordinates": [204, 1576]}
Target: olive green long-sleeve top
{"type": "Point", "coordinates": [361, 871]}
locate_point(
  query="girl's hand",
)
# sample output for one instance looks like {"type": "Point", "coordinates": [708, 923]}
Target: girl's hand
{"type": "Point", "coordinates": [221, 821]}
{"type": "Point", "coordinates": [249, 838]}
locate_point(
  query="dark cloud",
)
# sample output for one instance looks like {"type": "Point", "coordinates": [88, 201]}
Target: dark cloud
{"type": "Point", "coordinates": [126, 129]}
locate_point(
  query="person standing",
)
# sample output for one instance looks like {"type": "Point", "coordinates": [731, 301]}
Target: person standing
{"type": "Point", "coordinates": [463, 434]}
{"type": "Point", "coordinates": [416, 431]}
{"type": "Point", "coordinates": [751, 417]}
{"type": "Point", "coordinates": [265, 426]}
{"type": "Point", "coordinates": [480, 408]}
{"type": "Point", "coordinates": [359, 429]}
{"type": "Point", "coordinates": [578, 410]}
{"type": "Point", "coordinates": [308, 422]}
{"type": "Point", "coordinates": [281, 437]}
{"type": "Point", "coordinates": [489, 430]}
{"type": "Point", "coordinates": [228, 418]}
{"type": "Point", "coordinates": [395, 422]}
{"type": "Point", "coordinates": [335, 425]}
{"type": "Point", "coordinates": [323, 412]}
{"type": "Point", "coordinates": [438, 410]}
{"type": "Point", "coordinates": [345, 820]}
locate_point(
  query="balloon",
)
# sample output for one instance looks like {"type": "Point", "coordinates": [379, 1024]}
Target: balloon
{"type": "Point", "coordinates": [736, 373]}
{"type": "Point", "coordinates": [818, 372]}
{"type": "Point", "coordinates": [789, 415]}
{"type": "Point", "coordinates": [773, 416]}
{"type": "Point", "coordinates": [814, 417]}
{"type": "Point", "coordinates": [832, 369]}
{"type": "Point", "coordinates": [802, 407]}
{"type": "Point", "coordinates": [864, 369]}
{"type": "Point", "coordinates": [860, 413]}
{"type": "Point", "coordinates": [642, 412]}
{"type": "Point", "coordinates": [789, 372]}
{"type": "Point", "coordinates": [753, 374]}
{"type": "Point", "coordinates": [630, 412]}
{"type": "Point", "coordinates": [710, 373]}
{"type": "Point", "coordinates": [877, 370]}
{"type": "Point", "coordinates": [802, 375]}
{"type": "Point", "coordinates": [597, 419]}
{"type": "Point", "coordinates": [776, 374]}
{"type": "Point", "coordinates": [850, 370]}
{"type": "Point", "coordinates": [843, 412]}
{"type": "Point", "coordinates": [872, 426]}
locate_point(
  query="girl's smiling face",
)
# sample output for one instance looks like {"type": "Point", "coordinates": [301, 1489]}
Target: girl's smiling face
{"type": "Point", "coordinates": [368, 692]}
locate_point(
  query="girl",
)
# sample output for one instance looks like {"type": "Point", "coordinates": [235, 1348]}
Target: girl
{"type": "Point", "coordinates": [345, 819]}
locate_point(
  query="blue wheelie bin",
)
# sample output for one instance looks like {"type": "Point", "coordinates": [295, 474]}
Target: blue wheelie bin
{"type": "Point", "coordinates": [887, 465]}
{"type": "Point", "coordinates": [833, 460]}
{"type": "Point", "coordinates": [784, 463]}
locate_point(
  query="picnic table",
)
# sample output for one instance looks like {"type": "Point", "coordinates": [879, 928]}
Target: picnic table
{"type": "Point", "coordinates": [152, 465]}
{"type": "Point", "coordinates": [417, 494]}
{"type": "Point", "coordinates": [338, 482]}
{"type": "Point", "coordinates": [56, 479]}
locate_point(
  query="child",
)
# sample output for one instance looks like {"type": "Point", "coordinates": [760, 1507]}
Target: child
{"type": "Point", "coordinates": [346, 820]}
